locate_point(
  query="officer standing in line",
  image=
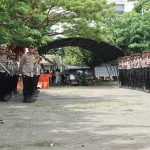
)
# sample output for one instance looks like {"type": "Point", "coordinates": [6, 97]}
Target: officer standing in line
{"type": "Point", "coordinates": [120, 70]}
{"type": "Point", "coordinates": [128, 63]}
{"type": "Point", "coordinates": [3, 63]}
{"type": "Point", "coordinates": [132, 70]}
{"type": "Point", "coordinates": [139, 77]}
{"type": "Point", "coordinates": [135, 71]}
{"type": "Point", "coordinates": [16, 72]}
{"type": "Point", "coordinates": [7, 94]}
{"type": "Point", "coordinates": [35, 72]}
{"type": "Point", "coordinates": [26, 68]}
{"type": "Point", "coordinates": [148, 72]}
{"type": "Point", "coordinates": [10, 78]}
{"type": "Point", "coordinates": [124, 71]}
{"type": "Point", "coordinates": [144, 70]}
{"type": "Point", "coordinates": [37, 68]}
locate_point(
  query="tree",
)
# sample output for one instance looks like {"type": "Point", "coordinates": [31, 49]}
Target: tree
{"type": "Point", "coordinates": [25, 22]}
{"type": "Point", "coordinates": [131, 32]}
{"type": "Point", "coordinates": [81, 57]}
{"type": "Point", "coordinates": [140, 6]}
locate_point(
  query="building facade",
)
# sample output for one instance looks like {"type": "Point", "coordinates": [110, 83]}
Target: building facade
{"type": "Point", "coordinates": [122, 6]}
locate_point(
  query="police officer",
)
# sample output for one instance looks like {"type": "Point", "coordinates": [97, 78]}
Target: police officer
{"type": "Point", "coordinates": [3, 65]}
{"type": "Point", "coordinates": [132, 71]}
{"type": "Point", "coordinates": [26, 68]}
{"type": "Point", "coordinates": [144, 70]}
{"type": "Point", "coordinates": [128, 64]}
{"type": "Point", "coordinates": [7, 83]}
{"type": "Point", "coordinates": [135, 75]}
{"type": "Point", "coordinates": [139, 74]}
{"type": "Point", "coordinates": [36, 72]}
{"type": "Point", "coordinates": [16, 73]}
{"type": "Point", "coordinates": [119, 59]}
{"type": "Point", "coordinates": [148, 72]}
{"type": "Point", "coordinates": [10, 77]}
{"type": "Point", "coordinates": [37, 68]}
{"type": "Point", "coordinates": [124, 69]}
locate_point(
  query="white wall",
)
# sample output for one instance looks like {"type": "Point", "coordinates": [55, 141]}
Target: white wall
{"type": "Point", "coordinates": [128, 6]}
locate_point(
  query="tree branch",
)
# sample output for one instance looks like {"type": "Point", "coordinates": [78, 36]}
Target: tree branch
{"type": "Point", "coordinates": [45, 22]}
{"type": "Point", "coordinates": [64, 32]}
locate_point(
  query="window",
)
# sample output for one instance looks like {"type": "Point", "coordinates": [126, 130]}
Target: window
{"type": "Point", "coordinates": [119, 8]}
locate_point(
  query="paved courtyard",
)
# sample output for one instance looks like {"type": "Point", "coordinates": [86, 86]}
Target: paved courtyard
{"type": "Point", "coordinates": [101, 117]}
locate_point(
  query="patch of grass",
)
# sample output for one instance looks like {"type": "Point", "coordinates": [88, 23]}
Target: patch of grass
{"type": "Point", "coordinates": [20, 91]}
{"type": "Point", "coordinates": [104, 103]}
{"type": "Point", "coordinates": [129, 110]}
{"type": "Point", "coordinates": [2, 146]}
{"type": "Point", "coordinates": [130, 103]}
{"type": "Point", "coordinates": [40, 104]}
{"type": "Point", "coordinates": [45, 143]}
{"type": "Point", "coordinates": [56, 107]}
{"type": "Point", "coordinates": [12, 146]}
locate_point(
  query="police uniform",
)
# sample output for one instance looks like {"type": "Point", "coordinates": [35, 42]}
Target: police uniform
{"type": "Point", "coordinates": [3, 65]}
{"type": "Point", "coordinates": [139, 77]}
{"type": "Point", "coordinates": [148, 72]}
{"type": "Point", "coordinates": [123, 71]}
{"type": "Point", "coordinates": [119, 69]}
{"type": "Point", "coordinates": [132, 71]}
{"type": "Point", "coordinates": [37, 68]}
{"type": "Point", "coordinates": [135, 76]}
{"type": "Point", "coordinates": [26, 68]}
{"type": "Point", "coordinates": [10, 79]}
{"type": "Point", "coordinates": [128, 66]}
{"type": "Point", "coordinates": [144, 70]}
{"type": "Point", "coordinates": [16, 74]}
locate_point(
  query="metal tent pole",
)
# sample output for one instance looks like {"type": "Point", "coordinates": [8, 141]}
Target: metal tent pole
{"type": "Point", "coordinates": [115, 70]}
{"type": "Point", "coordinates": [112, 70]}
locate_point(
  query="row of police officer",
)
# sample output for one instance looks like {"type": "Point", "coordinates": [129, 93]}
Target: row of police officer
{"type": "Point", "coordinates": [134, 71]}
{"type": "Point", "coordinates": [11, 67]}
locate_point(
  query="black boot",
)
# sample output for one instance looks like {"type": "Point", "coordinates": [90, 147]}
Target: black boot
{"type": "Point", "coordinates": [3, 99]}
{"type": "Point", "coordinates": [33, 98]}
{"type": "Point", "coordinates": [35, 94]}
{"type": "Point", "coordinates": [16, 91]}
{"type": "Point", "coordinates": [28, 99]}
{"type": "Point", "coordinates": [7, 97]}
{"type": "Point", "coordinates": [37, 91]}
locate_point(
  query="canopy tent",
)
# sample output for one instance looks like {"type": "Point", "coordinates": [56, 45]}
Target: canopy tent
{"type": "Point", "coordinates": [106, 51]}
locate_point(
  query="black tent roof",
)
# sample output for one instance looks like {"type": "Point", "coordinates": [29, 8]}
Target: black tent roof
{"type": "Point", "coordinates": [106, 51]}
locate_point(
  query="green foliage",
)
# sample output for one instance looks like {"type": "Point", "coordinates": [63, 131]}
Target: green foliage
{"type": "Point", "coordinates": [44, 143]}
{"type": "Point", "coordinates": [37, 22]}
{"type": "Point", "coordinates": [25, 22]}
{"type": "Point", "coordinates": [141, 6]}
{"type": "Point", "coordinates": [76, 56]}
{"type": "Point", "coordinates": [79, 57]}
{"type": "Point", "coordinates": [131, 32]}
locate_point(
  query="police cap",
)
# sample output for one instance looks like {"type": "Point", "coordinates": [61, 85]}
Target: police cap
{"type": "Point", "coordinates": [137, 54]}
{"type": "Point", "coordinates": [3, 47]}
{"type": "Point", "coordinates": [31, 47]}
{"type": "Point", "coordinates": [132, 55]}
{"type": "Point", "coordinates": [119, 58]}
{"type": "Point", "coordinates": [145, 51]}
